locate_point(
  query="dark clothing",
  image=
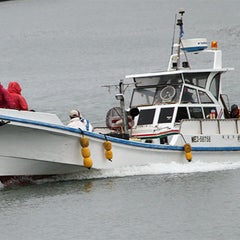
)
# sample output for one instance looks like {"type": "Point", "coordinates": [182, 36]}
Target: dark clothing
{"type": "Point", "coordinates": [15, 91]}
{"type": "Point", "coordinates": [234, 111]}
{"type": "Point", "coordinates": [6, 101]}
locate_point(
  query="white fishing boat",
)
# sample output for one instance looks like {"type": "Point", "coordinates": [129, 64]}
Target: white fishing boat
{"type": "Point", "coordinates": [178, 115]}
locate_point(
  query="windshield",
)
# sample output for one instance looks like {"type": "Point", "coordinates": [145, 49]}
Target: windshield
{"type": "Point", "coordinates": [157, 90]}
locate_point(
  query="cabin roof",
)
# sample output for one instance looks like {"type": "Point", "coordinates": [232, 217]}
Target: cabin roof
{"type": "Point", "coordinates": [155, 74]}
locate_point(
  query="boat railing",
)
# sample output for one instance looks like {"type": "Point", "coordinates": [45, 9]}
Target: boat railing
{"type": "Point", "coordinates": [210, 127]}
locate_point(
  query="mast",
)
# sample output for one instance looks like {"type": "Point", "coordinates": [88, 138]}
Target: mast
{"type": "Point", "coordinates": [180, 24]}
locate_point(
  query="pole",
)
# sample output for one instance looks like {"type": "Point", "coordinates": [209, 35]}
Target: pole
{"type": "Point", "coordinates": [122, 105]}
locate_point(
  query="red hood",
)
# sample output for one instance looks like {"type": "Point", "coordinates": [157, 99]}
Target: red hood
{"type": "Point", "coordinates": [14, 87]}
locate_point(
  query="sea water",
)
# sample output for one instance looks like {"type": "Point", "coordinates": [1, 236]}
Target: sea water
{"type": "Point", "coordinates": [62, 53]}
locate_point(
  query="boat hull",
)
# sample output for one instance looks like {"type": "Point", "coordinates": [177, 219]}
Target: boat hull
{"type": "Point", "coordinates": [29, 148]}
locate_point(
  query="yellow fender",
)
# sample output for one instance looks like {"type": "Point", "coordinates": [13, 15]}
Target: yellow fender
{"type": "Point", "coordinates": [107, 145]}
{"type": "Point", "coordinates": [86, 153]}
{"type": "Point", "coordinates": [188, 156]}
{"type": "Point", "coordinates": [108, 150]}
{"type": "Point", "coordinates": [109, 155]}
{"type": "Point", "coordinates": [84, 142]}
{"type": "Point", "coordinates": [187, 147]}
{"type": "Point", "coordinates": [87, 162]}
{"type": "Point", "coordinates": [188, 151]}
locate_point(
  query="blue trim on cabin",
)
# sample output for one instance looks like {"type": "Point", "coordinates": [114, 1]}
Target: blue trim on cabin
{"type": "Point", "coordinates": [113, 139]}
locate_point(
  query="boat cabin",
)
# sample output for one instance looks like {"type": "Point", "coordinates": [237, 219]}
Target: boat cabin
{"type": "Point", "coordinates": [165, 98]}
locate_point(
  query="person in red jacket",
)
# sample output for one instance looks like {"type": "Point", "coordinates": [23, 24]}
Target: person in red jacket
{"type": "Point", "coordinates": [6, 101]}
{"type": "Point", "coordinates": [15, 89]}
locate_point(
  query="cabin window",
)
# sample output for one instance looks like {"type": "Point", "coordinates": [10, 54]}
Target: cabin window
{"type": "Point", "coordinates": [166, 115]}
{"type": "Point", "coordinates": [204, 98]}
{"type": "Point", "coordinates": [196, 112]}
{"type": "Point", "coordinates": [214, 86]}
{"type": "Point", "coordinates": [171, 79]}
{"type": "Point", "coordinates": [142, 97]}
{"type": "Point", "coordinates": [196, 79]}
{"type": "Point", "coordinates": [147, 81]}
{"type": "Point", "coordinates": [182, 114]}
{"type": "Point", "coordinates": [208, 110]}
{"type": "Point", "coordinates": [146, 116]}
{"type": "Point", "coordinates": [189, 95]}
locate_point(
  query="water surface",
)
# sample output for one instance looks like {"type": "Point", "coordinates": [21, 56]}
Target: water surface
{"type": "Point", "coordinates": [62, 52]}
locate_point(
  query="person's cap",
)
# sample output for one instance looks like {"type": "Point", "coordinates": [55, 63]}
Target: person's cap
{"type": "Point", "coordinates": [74, 113]}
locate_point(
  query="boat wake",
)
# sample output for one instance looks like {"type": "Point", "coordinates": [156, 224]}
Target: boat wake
{"type": "Point", "coordinates": [152, 169]}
